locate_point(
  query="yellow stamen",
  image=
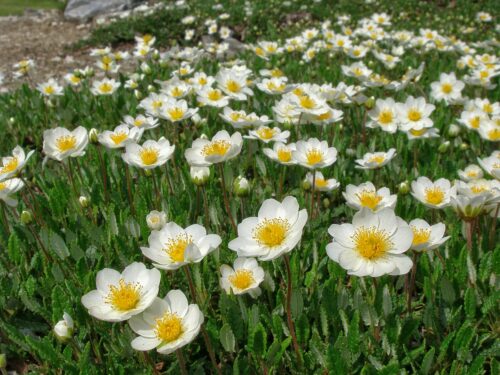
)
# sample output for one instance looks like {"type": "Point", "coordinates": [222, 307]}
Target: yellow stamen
{"type": "Point", "coordinates": [371, 243]}
{"type": "Point", "coordinates": [369, 198]}
{"type": "Point", "coordinates": [414, 114]}
{"type": "Point", "coordinates": [125, 296]}
{"type": "Point", "coordinates": [271, 232]}
{"type": "Point", "coordinates": [314, 156]}
{"type": "Point", "coordinates": [176, 113]}
{"type": "Point", "coordinates": [434, 195]}
{"type": "Point", "coordinates": [233, 86]}
{"type": "Point", "coordinates": [242, 279]}
{"type": "Point", "coordinates": [266, 133]}
{"type": "Point", "coordinates": [66, 143]}
{"type": "Point", "coordinates": [420, 235]}
{"type": "Point", "coordinates": [118, 138]}
{"type": "Point", "coordinates": [149, 155]}
{"type": "Point", "coordinates": [219, 148]}
{"type": "Point", "coordinates": [176, 247]}
{"type": "Point", "coordinates": [284, 155]}
{"type": "Point", "coordinates": [168, 327]}
{"type": "Point", "coordinates": [385, 117]}
{"type": "Point", "coordinates": [10, 165]}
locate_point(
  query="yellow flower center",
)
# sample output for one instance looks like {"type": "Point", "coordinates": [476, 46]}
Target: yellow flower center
{"type": "Point", "coordinates": [284, 155]}
{"type": "Point", "coordinates": [125, 296]}
{"type": "Point", "coordinates": [235, 116]}
{"type": "Point", "coordinates": [138, 122]}
{"type": "Point", "coordinates": [176, 247]}
{"type": "Point", "coordinates": [271, 232]}
{"type": "Point", "coordinates": [494, 135]}
{"type": "Point", "coordinates": [418, 133]}
{"type": "Point", "coordinates": [379, 159]}
{"type": "Point", "coordinates": [266, 133]}
{"type": "Point", "coordinates": [321, 182]}
{"type": "Point", "coordinates": [75, 79]}
{"type": "Point", "coordinates": [307, 102]}
{"type": "Point", "coordinates": [276, 73]}
{"type": "Point", "coordinates": [414, 114]}
{"type": "Point", "coordinates": [488, 108]}
{"type": "Point", "coordinates": [369, 198]}
{"type": "Point", "coordinates": [176, 92]}
{"type": "Point", "coordinates": [214, 95]}
{"type": "Point", "coordinates": [149, 155]}
{"type": "Point", "coordinates": [10, 166]}
{"type": "Point", "coordinates": [157, 104]}
{"type": "Point", "coordinates": [2, 185]}
{"type": "Point", "coordinates": [219, 148]}
{"type": "Point", "coordinates": [49, 90]}
{"type": "Point", "coordinates": [147, 38]}
{"type": "Point", "coordinates": [298, 92]}
{"type": "Point", "coordinates": [105, 88]}
{"type": "Point", "coordinates": [324, 116]}
{"type": "Point", "coordinates": [314, 156]}
{"type": "Point", "coordinates": [202, 81]}
{"type": "Point", "coordinates": [233, 86]}
{"type": "Point", "coordinates": [176, 113]}
{"type": "Point", "coordinates": [371, 243]}
{"type": "Point", "coordinates": [434, 195]}
{"type": "Point", "coordinates": [475, 122]}
{"type": "Point", "coordinates": [385, 117]}
{"type": "Point", "coordinates": [118, 138]}
{"type": "Point", "coordinates": [242, 279]}
{"type": "Point", "coordinates": [168, 327]}
{"type": "Point", "coordinates": [446, 88]}
{"type": "Point", "coordinates": [66, 143]}
{"type": "Point", "coordinates": [479, 188]}
{"type": "Point", "coordinates": [420, 235]}
{"type": "Point", "coordinates": [483, 74]}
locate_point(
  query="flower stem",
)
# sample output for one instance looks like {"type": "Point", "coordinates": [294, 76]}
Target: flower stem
{"type": "Point", "coordinates": [493, 228]}
{"type": "Point", "coordinates": [103, 172]}
{"type": "Point", "coordinates": [226, 200]}
{"type": "Point", "coordinates": [282, 181]}
{"type": "Point", "coordinates": [469, 232]}
{"type": "Point", "coordinates": [313, 192]}
{"type": "Point", "coordinates": [182, 361]}
{"type": "Point", "coordinates": [204, 332]}
{"type": "Point", "coordinates": [411, 286]}
{"type": "Point", "coordinates": [291, 326]}
{"type": "Point", "coordinates": [129, 190]}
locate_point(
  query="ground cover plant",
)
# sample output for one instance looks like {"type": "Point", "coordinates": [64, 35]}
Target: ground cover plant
{"type": "Point", "coordinates": [315, 193]}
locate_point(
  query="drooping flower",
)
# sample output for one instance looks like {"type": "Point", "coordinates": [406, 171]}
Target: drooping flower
{"type": "Point", "coordinates": [167, 325]}
{"type": "Point", "coordinates": [373, 245]}
{"type": "Point", "coordinates": [9, 187]}
{"type": "Point", "coordinates": [119, 296]}
{"type": "Point", "coordinates": [275, 231]}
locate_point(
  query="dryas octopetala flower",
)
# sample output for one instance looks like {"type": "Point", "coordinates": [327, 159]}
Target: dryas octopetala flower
{"type": "Point", "coordinates": [119, 296]}
{"type": "Point", "coordinates": [384, 115]}
{"type": "Point", "coordinates": [172, 246]}
{"type": "Point", "coordinates": [9, 187]}
{"type": "Point", "coordinates": [244, 277]}
{"type": "Point", "coordinates": [60, 143]}
{"type": "Point", "coordinates": [282, 153]}
{"type": "Point", "coordinates": [414, 114]}
{"type": "Point", "coordinates": [220, 148]}
{"type": "Point", "coordinates": [64, 328]}
{"type": "Point", "coordinates": [12, 165]}
{"type": "Point", "coordinates": [275, 231]}
{"type": "Point", "coordinates": [121, 136]}
{"type": "Point", "coordinates": [470, 173]}
{"type": "Point", "coordinates": [141, 122]}
{"type": "Point", "coordinates": [432, 194]}
{"type": "Point", "coordinates": [267, 134]}
{"type": "Point", "coordinates": [373, 245]}
{"type": "Point", "coordinates": [491, 164]}
{"type": "Point", "coordinates": [50, 88]}
{"type": "Point", "coordinates": [448, 88]}
{"type": "Point", "coordinates": [427, 237]}
{"type": "Point", "coordinates": [212, 97]}
{"type": "Point", "coordinates": [176, 110]}
{"type": "Point", "coordinates": [105, 87]}
{"type": "Point", "coordinates": [150, 155]}
{"type": "Point", "coordinates": [366, 195]}
{"type": "Point", "coordinates": [376, 159]}
{"type": "Point", "coordinates": [321, 183]}
{"type": "Point", "coordinates": [314, 154]}
{"type": "Point", "coordinates": [167, 325]}
{"type": "Point", "coordinates": [156, 219]}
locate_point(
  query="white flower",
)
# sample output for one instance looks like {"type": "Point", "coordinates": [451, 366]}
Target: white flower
{"type": "Point", "coordinates": [156, 219]}
{"type": "Point", "coordinates": [150, 155]}
{"type": "Point", "coordinates": [64, 328]}
{"type": "Point", "coordinates": [60, 143]}
{"type": "Point", "coordinates": [233, 84]}
{"type": "Point", "coordinates": [282, 153]}
{"type": "Point", "coordinates": [314, 154]}
{"type": "Point", "coordinates": [491, 164]}
{"type": "Point", "coordinates": [50, 88]}
{"type": "Point", "coordinates": [471, 172]}
{"type": "Point", "coordinates": [432, 194]}
{"type": "Point", "coordinates": [212, 97]}
{"type": "Point", "coordinates": [448, 88]}
{"type": "Point", "coordinates": [274, 86]}
{"type": "Point", "coordinates": [275, 231]}
{"type": "Point", "coordinates": [425, 236]}
{"type": "Point", "coordinates": [121, 136]}
{"type": "Point", "coordinates": [373, 245]}
{"type": "Point", "coordinates": [244, 278]}
{"type": "Point", "coordinates": [105, 87]}
{"type": "Point", "coordinates": [167, 325]}
{"type": "Point", "coordinates": [376, 159]}
{"type": "Point", "coordinates": [267, 134]}
{"type": "Point", "coordinates": [384, 115]}
{"type": "Point", "coordinates": [220, 148]}
{"type": "Point", "coordinates": [141, 122]}
{"type": "Point", "coordinates": [120, 296]}
{"type": "Point", "coordinates": [366, 195]}
{"type": "Point", "coordinates": [176, 110]}
{"type": "Point", "coordinates": [320, 183]}
{"type": "Point", "coordinates": [489, 131]}
{"type": "Point", "coordinates": [12, 165]}
{"type": "Point", "coordinates": [9, 187]}
{"type": "Point", "coordinates": [171, 247]}
{"type": "Point", "coordinates": [414, 114]}
{"type": "Point", "coordinates": [199, 175]}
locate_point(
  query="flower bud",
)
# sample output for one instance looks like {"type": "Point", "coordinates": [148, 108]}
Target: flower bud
{"type": "Point", "coordinates": [145, 68]}
{"type": "Point", "coordinates": [326, 202]}
{"type": "Point", "coordinates": [453, 130]}
{"type": "Point", "coordinates": [26, 217]}
{"type": "Point", "coordinates": [404, 188]}
{"type": "Point", "coordinates": [94, 136]}
{"type": "Point", "coordinates": [151, 88]}
{"type": "Point", "coordinates": [137, 94]}
{"type": "Point", "coordinates": [443, 147]}
{"type": "Point", "coordinates": [155, 55]}
{"type": "Point", "coordinates": [464, 146]}
{"type": "Point", "coordinates": [64, 328]}
{"type": "Point", "coordinates": [84, 201]}
{"type": "Point", "coordinates": [370, 103]}
{"type": "Point", "coordinates": [148, 172]}
{"type": "Point", "coordinates": [156, 219]}
{"type": "Point", "coordinates": [306, 185]}
{"type": "Point", "coordinates": [12, 120]}
{"type": "Point", "coordinates": [199, 175]}
{"type": "Point", "coordinates": [241, 187]}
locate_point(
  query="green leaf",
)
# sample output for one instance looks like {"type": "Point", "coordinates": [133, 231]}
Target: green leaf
{"type": "Point", "coordinates": [257, 341]}
{"type": "Point", "coordinates": [470, 302]}
{"type": "Point", "coordinates": [427, 361]}
{"type": "Point", "coordinates": [227, 338]}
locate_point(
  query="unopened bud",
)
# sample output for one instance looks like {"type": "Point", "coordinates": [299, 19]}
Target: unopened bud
{"type": "Point", "coordinates": [326, 202]}
{"type": "Point", "coordinates": [93, 136]}
{"type": "Point", "coordinates": [26, 217]}
{"type": "Point", "coordinates": [84, 201]}
{"type": "Point", "coordinates": [464, 146]}
{"type": "Point", "coordinates": [145, 68]}
{"type": "Point", "coordinates": [64, 328]}
{"type": "Point", "coordinates": [350, 152]}
{"type": "Point", "coordinates": [370, 103]}
{"type": "Point", "coordinates": [156, 219]}
{"type": "Point", "coordinates": [453, 130]}
{"type": "Point", "coordinates": [306, 185]}
{"type": "Point", "coordinates": [137, 94]}
{"type": "Point", "coordinates": [148, 172]}
{"type": "Point", "coordinates": [199, 175]}
{"type": "Point", "coordinates": [151, 88]}
{"type": "Point", "coordinates": [241, 187]}
{"type": "Point", "coordinates": [443, 147]}
{"type": "Point", "coordinates": [404, 188]}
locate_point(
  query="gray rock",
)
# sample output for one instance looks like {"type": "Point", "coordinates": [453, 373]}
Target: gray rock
{"type": "Point", "coordinates": [84, 10]}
